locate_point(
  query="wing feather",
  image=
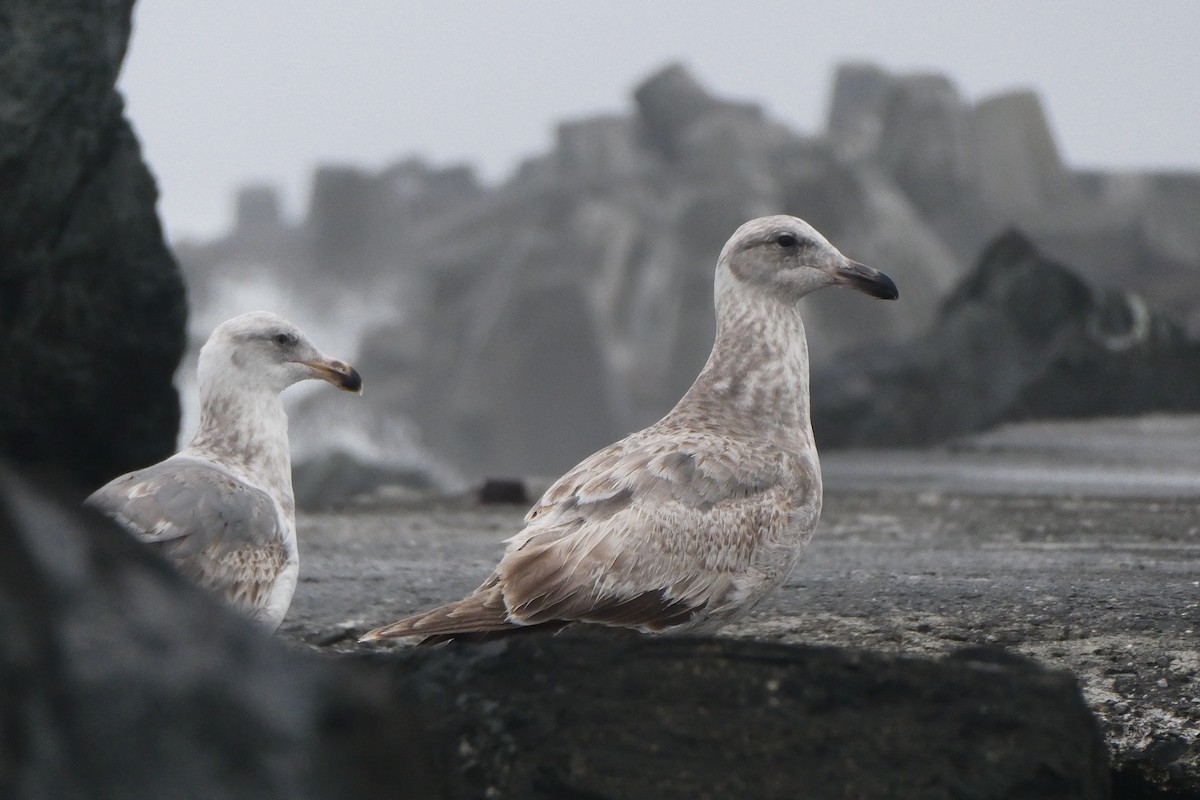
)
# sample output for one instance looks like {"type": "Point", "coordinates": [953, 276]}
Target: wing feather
{"type": "Point", "coordinates": [221, 532]}
{"type": "Point", "coordinates": [658, 532]}
{"type": "Point", "coordinates": [649, 533]}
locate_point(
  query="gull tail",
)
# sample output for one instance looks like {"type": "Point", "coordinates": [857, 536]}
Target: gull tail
{"type": "Point", "coordinates": [482, 612]}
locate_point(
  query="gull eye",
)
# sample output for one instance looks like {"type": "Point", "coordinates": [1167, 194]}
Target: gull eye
{"type": "Point", "coordinates": [785, 240]}
{"type": "Point", "coordinates": [284, 339]}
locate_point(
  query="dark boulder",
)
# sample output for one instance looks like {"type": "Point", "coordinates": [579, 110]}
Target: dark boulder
{"type": "Point", "coordinates": [92, 305]}
{"type": "Point", "coordinates": [633, 717]}
{"type": "Point", "coordinates": [118, 679]}
{"type": "Point", "coordinates": [1022, 337]}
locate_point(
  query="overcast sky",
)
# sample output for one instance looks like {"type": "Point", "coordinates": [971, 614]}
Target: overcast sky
{"type": "Point", "coordinates": [223, 92]}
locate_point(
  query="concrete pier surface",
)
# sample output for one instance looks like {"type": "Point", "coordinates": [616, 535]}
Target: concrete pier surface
{"type": "Point", "coordinates": [1076, 544]}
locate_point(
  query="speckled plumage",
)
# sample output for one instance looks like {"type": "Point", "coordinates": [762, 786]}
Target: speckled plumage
{"type": "Point", "coordinates": [222, 508]}
{"type": "Point", "coordinates": [686, 525]}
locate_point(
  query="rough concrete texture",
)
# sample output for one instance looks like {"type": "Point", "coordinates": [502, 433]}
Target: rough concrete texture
{"type": "Point", "coordinates": [630, 717]}
{"type": "Point", "coordinates": [117, 679]}
{"type": "Point", "coordinates": [91, 301]}
{"type": "Point", "coordinates": [1076, 544]}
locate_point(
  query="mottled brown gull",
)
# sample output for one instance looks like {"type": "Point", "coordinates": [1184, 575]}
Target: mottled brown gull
{"type": "Point", "coordinates": [686, 525]}
{"type": "Point", "coordinates": [222, 509]}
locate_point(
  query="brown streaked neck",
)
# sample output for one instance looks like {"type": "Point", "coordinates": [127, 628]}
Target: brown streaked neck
{"type": "Point", "coordinates": [247, 429]}
{"type": "Point", "coordinates": [757, 373]}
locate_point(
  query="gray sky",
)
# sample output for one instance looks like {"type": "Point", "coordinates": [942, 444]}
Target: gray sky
{"type": "Point", "coordinates": [222, 92]}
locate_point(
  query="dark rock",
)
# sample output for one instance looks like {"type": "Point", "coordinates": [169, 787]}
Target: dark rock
{"type": "Point", "coordinates": [92, 305]}
{"type": "Point", "coordinates": [1022, 337]}
{"type": "Point", "coordinates": [1070, 542]}
{"type": "Point", "coordinates": [330, 479]}
{"type": "Point", "coordinates": [1164, 750]}
{"type": "Point", "coordinates": [117, 679]}
{"type": "Point", "coordinates": [504, 490]}
{"type": "Point", "coordinates": [352, 449]}
{"type": "Point", "coordinates": [1133, 231]}
{"type": "Point", "coordinates": [538, 717]}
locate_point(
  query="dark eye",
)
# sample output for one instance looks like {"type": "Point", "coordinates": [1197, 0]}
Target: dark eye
{"type": "Point", "coordinates": [284, 339]}
{"type": "Point", "coordinates": [785, 240]}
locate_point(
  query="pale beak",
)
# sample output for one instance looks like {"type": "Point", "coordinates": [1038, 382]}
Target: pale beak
{"type": "Point", "coordinates": [339, 373]}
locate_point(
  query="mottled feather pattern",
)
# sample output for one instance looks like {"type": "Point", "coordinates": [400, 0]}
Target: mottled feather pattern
{"type": "Point", "coordinates": [689, 523]}
{"type": "Point", "coordinates": [222, 509]}
{"type": "Point", "coordinates": [649, 532]}
{"type": "Point", "coordinates": [255, 572]}
{"type": "Point", "coordinates": [220, 531]}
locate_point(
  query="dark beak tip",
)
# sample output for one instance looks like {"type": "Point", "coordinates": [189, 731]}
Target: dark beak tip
{"type": "Point", "coordinates": [872, 282]}
{"type": "Point", "coordinates": [352, 381]}
{"type": "Point", "coordinates": [893, 291]}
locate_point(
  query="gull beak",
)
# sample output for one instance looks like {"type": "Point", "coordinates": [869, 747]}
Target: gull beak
{"type": "Point", "coordinates": [339, 373]}
{"type": "Point", "coordinates": [864, 279]}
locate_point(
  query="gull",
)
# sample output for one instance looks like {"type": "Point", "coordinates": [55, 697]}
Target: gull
{"type": "Point", "coordinates": [686, 525]}
{"type": "Point", "coordinates": [222, 508]}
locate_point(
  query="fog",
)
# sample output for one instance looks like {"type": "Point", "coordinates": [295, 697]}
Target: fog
{"type": "Point", "coordinates": [508, 214]}
{"type": "Point", "coordinates": [223, 92]}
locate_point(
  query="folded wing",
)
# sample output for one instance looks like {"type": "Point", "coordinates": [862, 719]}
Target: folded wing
{"type": "Point", "coordinates": [642, 534]}
{"type": "Point", "coordinates": [223, 533]}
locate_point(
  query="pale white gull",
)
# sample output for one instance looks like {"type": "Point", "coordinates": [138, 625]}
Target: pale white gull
{"type": "Point", "coordinates": [686, 525]}
{"type": "Point", "coordinates": [222, 509]}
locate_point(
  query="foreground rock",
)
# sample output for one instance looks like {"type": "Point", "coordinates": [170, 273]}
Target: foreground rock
{"type": "Point", "coordinates": [1022, 337]}
{"type": "Point", "coordinates": [1075, 544]}
{"type": "Point", "coordinates": [630, 717]}
{"type": "Point", "coordinates": [118, 680]}
{"type": "Point", "coordinates": [91, 301]}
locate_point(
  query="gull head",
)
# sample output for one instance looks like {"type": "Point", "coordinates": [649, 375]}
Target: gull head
{"type": "Point", "coordinates": [264, 350]}
{"type": "Point", "coordinates": [787, 258]}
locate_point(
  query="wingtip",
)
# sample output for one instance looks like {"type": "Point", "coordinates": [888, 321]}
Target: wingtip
{"type": "Point", "coordinates": [377, 635]}
{"type": "Point", "coordinates": [401, 629]}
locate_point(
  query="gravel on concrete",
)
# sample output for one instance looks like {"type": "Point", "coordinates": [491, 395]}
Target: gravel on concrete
{"type": "Point", "coordinates": [1072, 554]}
